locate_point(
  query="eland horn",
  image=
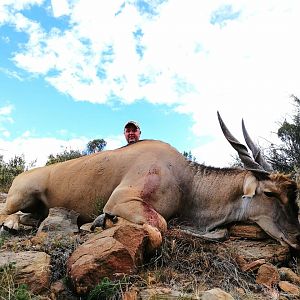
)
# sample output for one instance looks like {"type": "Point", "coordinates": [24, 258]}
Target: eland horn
{"type": "Point", "coordinates": [256, 151]}
{"type": "Point", "coordinates": [241, 149]}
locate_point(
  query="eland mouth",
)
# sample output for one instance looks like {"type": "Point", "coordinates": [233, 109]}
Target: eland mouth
{"type": "Point", "coordinates": [284, 241]}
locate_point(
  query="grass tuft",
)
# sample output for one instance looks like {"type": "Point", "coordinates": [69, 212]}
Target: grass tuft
{"type": "Point", "coordinates": [9, 289]}
{"type": "Point", "coordinates": [110, 289]}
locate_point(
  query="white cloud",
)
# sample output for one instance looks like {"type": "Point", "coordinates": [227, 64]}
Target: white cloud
{"type": "Point", "coordinates": [5, 133]}
{"type": "Point", "coordinates": [114, 142]}
{"type": "Point", "coordinates": [26, 134]}
{"type": "Point", "coordinates": [60, 7]}
{"type": "Point", "coordinates": [6, 110]}
{"type": "Point", "coordinates": [8, 8]}
{"type": "Point", "coordinates": [40, 148]}
{"type": "Point", "coordinates": [246, 66]}
{"type": "Point", "coordinates": [11, 74]}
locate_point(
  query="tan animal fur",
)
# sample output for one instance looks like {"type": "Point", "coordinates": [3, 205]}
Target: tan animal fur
{"type": "Point", "coordinates": [150, 182]}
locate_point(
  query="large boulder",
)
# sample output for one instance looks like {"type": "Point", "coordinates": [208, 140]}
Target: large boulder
{"type": "Point", "coordinates": [30, 267]}
{"type": "Point", "coordinates": [252, 254]}
{"type": "Point", "coordinates": [290, 288]}
{"type": "Point", "coordinates": [170, 294]}
{"type": "Point", "coordinates": [268, 275]}
{"type": "Point", "coordinates": [111, 253]}
{"type": "Point", "coordinates": [60, 220]}
{"type": "Point", "coordinates": [249, 231]}
{"type": "Point", "coordinates": [216, 294]}
{"type": "Point", "coordinates": [287, 274]}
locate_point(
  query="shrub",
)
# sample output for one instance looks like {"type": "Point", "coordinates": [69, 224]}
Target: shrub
{"type": "Point", "coordinates": [8, 171]}
{"type": "Point", "coordinates": [64, 156]}
{"type": "Point", "coordinates": [108, 289]}
{"type": "Point", "coordinates": [9, 289]}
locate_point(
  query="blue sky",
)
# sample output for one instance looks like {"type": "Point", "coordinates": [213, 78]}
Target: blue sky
{"type": "Point", "coordinates": [73, 71]}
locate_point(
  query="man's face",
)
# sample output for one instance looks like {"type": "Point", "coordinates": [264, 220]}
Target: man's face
{"type": "Point", "coordinates": [132, 134]}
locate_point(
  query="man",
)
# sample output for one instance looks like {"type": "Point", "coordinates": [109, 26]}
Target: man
{"type": "Point", "coordinates": [132, 132]}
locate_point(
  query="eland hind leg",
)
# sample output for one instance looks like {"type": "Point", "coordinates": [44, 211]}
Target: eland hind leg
{"type": "Point", "coordinates": [123, 207]}
{"type": "Point", "coordinates": [126, 203]}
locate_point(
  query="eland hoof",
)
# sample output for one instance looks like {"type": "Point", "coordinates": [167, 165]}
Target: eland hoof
{"type": "Point", "coordinates": [100, 221]}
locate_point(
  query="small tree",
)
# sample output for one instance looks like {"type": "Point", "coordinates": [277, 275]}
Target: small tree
{"type": "Point", "coordinates": [8, 171]}
{"type": "Point", "coordinates": [96, 145]}
{"type": "Point", "coordinates": [92, 147]}
{"type": "Point", "coordinates": [236, 162]}
{"type": "Point", "coordinates": [64, 156]}
{"type": "Point", "coordinates": [286, 156]}
{"type": "Point", "coordinates": [189, 156]}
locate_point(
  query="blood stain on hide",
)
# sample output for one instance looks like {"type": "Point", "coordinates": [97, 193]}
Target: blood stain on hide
{"type": "Point", "coordinates": [151, 183]}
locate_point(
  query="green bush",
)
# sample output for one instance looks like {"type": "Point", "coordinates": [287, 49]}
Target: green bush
{"type": "Point", "coordinates": [96, 145]}
{"type": "Point", "coordinates": [8, 171]}
{"type": "Point", "coordinates": [64, 156]}
{"type": "Point", "coordinates": [9, 289]}
{"type": "Point", "coordinates": [108, 289]}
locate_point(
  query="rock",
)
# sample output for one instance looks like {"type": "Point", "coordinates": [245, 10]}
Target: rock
{"type": "Point", "coordinates": [57, 288]}
{"type": "Point", "coordinates": [289, 275]}
{"type": "Point", "coordinates": [164, 294]}
{"type": "Point", "coordinates": [39, 239]}
{"type": "Point", "coordinates": [32, 268]}
{"type": "Point", "coordinates": [3, 197]}
{"type": "Point", "coordinates": [169, 294]}
{"type": "Point", "coordinates": [60, 220]}
{"type": "Point", "coordinates": [249, 253]}
{"type": "Point", "coordinates": [249, 231]}
{"type": "Point", "coordinates": [87, 227]}
{"type": "Point", "coordinates": [111, 253]}
{"type": "Point", "coordinates": [252, 266]}
{"type": "Point", "coordinates": [267, 275]}
{"type": "Point", "coordinates": [59, 292]}
{"type": "Point", "coordinates": [289, 288]}
{"type": "Point", "coordinates": [216, 294]}
{"type": "Point", "coordinates": [132, 294]}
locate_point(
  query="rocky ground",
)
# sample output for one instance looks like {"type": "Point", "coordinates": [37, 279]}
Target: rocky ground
{"type": "Point", "coordinates": [59, 261]}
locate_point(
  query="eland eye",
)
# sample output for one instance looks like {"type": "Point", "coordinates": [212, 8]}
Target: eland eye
{"type": "Point", "coordinates": [270, 194]}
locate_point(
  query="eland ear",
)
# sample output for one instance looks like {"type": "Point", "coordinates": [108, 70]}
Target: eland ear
{"type": "Point", "coordinates": [250, 185]}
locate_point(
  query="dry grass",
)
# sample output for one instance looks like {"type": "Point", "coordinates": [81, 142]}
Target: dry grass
{"type": "Point", "coordinates": [10, 289]}
{"type": "Point", "coordinates": [191, 265]}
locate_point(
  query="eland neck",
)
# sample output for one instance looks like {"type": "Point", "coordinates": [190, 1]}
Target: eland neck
{"type": "Point", "coordinates": [215, 197]}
